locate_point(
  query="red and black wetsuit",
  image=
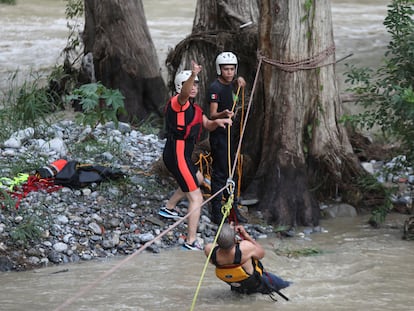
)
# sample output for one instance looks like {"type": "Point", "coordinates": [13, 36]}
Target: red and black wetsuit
{"type": "Point", "coordinates": [184, 124]}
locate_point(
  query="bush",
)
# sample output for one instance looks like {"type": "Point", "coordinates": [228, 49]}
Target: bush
{"type": "Point", "coordinates": [99, 104]}
{"type": "Point", "coordinates": [26, 105]}
{"type": "Point", "coordinates": [387, 93]}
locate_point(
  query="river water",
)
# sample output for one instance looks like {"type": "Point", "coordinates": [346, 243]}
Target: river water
{"type": "Point", "coordinates": [33, 32]}
{"type": "Point", "coordinates": [360, 268]}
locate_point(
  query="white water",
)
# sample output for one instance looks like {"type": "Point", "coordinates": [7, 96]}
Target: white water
{"type": "Point", "coordinates": [33, 32]}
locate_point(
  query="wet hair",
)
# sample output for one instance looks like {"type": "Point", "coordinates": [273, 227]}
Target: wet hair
{"type": "Point", "coordinates": [226, 237]}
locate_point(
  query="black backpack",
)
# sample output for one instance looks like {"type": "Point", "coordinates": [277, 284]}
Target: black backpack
{"type": "Point", "coordinates": [76, 175]}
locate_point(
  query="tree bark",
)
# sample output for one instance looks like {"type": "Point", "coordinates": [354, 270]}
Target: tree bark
{"type": "Point", "coordinates": [304, 146]}
{"type": "Point", "coordinates": [216, 28]}
{"type": "Point", "coordinates": [124, 55]}
{"type": "Point", "coordinates": [299, 152]}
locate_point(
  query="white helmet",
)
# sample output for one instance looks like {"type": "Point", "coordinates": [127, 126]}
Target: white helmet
{"type": "Point", "coordinates": [180, 78]}
{"type": "Point", "coordinates": [225, 58]}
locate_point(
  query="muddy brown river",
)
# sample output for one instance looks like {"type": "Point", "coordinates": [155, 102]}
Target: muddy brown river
{"type": "Point", "coordinates": [357, 268]}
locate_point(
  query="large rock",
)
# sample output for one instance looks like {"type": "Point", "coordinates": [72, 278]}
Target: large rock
{"type": "Point", "coordinates": [339, 210]}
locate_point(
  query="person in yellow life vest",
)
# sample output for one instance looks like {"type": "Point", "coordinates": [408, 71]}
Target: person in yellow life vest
{"type": "Point", "coordinates": [238, 263]}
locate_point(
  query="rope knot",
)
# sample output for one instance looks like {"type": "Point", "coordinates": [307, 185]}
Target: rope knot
{"type": "Point", "coordinates": [226, 208]}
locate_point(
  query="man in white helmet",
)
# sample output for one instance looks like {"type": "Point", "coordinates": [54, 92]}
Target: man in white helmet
{"type": "Point", "coordinates": [184, 120]}
{"type": "Point", "coordinates": [221, 95]}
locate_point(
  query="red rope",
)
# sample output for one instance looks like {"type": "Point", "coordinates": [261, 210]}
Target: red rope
{"type": "Point", "coordinates": [34, 183]}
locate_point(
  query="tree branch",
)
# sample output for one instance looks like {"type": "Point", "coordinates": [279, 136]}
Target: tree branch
{"type": "Point", "coordinates": [231, 13]}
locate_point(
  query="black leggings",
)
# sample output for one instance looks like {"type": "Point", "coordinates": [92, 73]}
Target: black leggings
{"type": "Point", "coordinates": [220, 170]}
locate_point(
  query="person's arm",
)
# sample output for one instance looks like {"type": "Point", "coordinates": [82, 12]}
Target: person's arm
{"type": "Point", "coordinates": [211, 125]}
{"type": "Point", "coordinates": [240, 82]}
{"type": "Point", "coordinates": [207, 249]}
{"type": "Point", "coordinates": [219, 115]}
{"type": "Point", "coordinates": [188, 85]}
{"type": "Point", "coordinates": [249, 246]}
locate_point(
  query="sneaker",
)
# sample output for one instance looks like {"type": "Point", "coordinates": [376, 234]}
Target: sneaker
{"type": "Point", "coordinates": [195, 246]}
{"type": "Point", "coordinates": [167, 213]}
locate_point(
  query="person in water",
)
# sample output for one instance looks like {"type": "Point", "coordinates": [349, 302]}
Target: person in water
{"type": "Point", "coordinates": [238, 262]}
{"type": "Point", "coordinates": [184, 123]}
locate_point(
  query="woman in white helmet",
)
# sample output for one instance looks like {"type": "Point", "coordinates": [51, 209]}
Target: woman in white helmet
{"type": "Point", "coordinates": [184, 120]}
{"type": "Point", "coordinates": [220, 96]}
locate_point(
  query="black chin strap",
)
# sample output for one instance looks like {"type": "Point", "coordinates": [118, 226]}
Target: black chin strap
{"type": "Point", "coordinates": [280, 294]}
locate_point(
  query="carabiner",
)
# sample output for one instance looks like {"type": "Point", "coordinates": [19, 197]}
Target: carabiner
{"type": "Point", "coordinates": [230, 189]}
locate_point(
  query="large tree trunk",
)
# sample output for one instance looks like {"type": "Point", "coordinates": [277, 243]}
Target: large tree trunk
{"type": "Point", "coordinates": [303, 144]}
{"type": "Point", "coordinates": [124, 55]}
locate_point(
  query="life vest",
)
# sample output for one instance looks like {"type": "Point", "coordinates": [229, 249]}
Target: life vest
{"type": "Point", "coordinates": [179, 128]}
{"type": "Point", "coordinates": [236, 276]}
{"type": "Point", "coordinates": [52, 169]}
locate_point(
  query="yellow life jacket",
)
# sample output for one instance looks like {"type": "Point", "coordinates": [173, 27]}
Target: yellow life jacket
{"type": "Point", "coordinates": [236, 276]}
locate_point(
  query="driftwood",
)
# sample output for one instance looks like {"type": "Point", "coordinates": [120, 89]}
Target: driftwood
{"type": "Point", "coordinates": [409, 229]}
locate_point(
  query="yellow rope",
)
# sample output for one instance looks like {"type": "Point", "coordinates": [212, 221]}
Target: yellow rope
{"type": "Point", "coordinates": [204, 164]}
{"type": "Point", "coordinates": [129, 257]}
{"type": "Point", "coordinates": [16, 181]}
{"type": "Point", "coordinates": [226, 211]}
{"type": "Point", "coordinates": [235, 100]}
{"type": "Point", "coordinates": [239, 155]}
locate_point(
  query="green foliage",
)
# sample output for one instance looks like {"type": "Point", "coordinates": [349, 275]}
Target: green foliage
{"type": "Point", "coordinates": [32, 103]}
{"type": "Point", "coordinates": [27, 231]}
{"type": "Point", "coordinates": [34, 220]}
{"type": "Point", "coordinates": [387, 94]}
{"type": "Point", "coordinates": [99, 104]}
{"type": "Point", "coordinates": [26, 105]}
{"type": "Point", "coordinates": [23, 163]}
{"type": "Point", "coordinates": [74, 9]}
{"type": "Point", "coordinates": [8, 2]}
{"type": "Point", "coordinates": [304, 252]}
{"type": "Point", "coordinates": [74, 14]}
{"type": "Point", "coordinates": [309, 7]}
{"type": "Point", "coordinates": [369, 185]}
{"type": "Point", "coordinates": [6, 201]}
{"type": "Point", "coordinates": [90, 147]}
{"type": "Point", "coordinates": [150, 125]}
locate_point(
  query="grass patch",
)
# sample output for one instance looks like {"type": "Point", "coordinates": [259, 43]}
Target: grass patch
{"type": "Point", "coordinates": [25, 105]}
{"type": "Point", "coordinates": [22, 163]}
{"type": "Point", "coordinates": [90, 147]}
{"type": "Point", "coordinates": [28, 230]}
{"type": "Point", "coordinates": [34, 221]}
{"type": "Point", "coordinates": [303, 252]}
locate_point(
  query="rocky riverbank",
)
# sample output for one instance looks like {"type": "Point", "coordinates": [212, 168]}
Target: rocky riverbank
{"type": "Point", "coordinates": [51, 225]}
{"type": "Point", "coordinates": [55, 225]}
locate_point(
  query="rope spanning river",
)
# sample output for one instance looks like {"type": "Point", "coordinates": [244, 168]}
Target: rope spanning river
{"type": "Point", "coordinates": [357, 267]}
